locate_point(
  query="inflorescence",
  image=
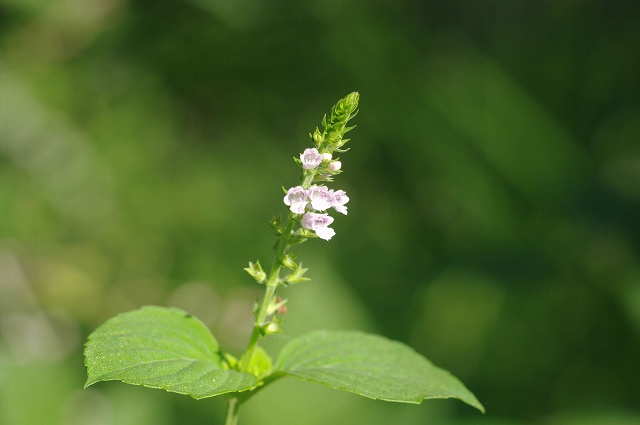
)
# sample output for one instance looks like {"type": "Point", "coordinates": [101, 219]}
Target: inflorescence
{"type": "Point", "coordinates": [309, 201]}
{"type": "Point", "coordinates": [312, 202]}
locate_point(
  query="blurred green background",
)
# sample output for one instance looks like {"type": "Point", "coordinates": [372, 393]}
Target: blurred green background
{"type": "Point", "coordinates": [494, 180]}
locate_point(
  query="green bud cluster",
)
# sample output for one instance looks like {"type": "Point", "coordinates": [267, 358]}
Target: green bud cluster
{"type": "Point", "coordinates": [335, 125]}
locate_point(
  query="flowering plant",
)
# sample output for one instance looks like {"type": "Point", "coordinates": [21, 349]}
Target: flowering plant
{"type": "Point", "coordinates": [169, 349]}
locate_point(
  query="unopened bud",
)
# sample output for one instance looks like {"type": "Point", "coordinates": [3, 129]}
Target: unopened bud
{"type": "Point", "coordinates": [317, 137]}
{"type": "Point", "coordinates": [335, 165]}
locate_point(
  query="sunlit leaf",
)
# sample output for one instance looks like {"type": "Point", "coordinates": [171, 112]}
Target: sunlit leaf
{"type": "Point", "coordinates": [162, 348]}
{"type": "Point", "coordinates": [369, 365]}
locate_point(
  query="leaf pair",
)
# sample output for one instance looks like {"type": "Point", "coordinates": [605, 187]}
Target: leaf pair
{"type": "Point", "coordinates": [167, 348]}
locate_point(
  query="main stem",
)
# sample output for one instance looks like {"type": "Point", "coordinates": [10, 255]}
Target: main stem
{"type": "Point", "coordinates": [273, 280]}
{"type": "Point", "coordinates": [232, 411]}
{"type": "Point", "coordinates": [270, 289]}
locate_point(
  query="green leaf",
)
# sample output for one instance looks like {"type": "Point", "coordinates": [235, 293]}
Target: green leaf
{"type": "Point", "coordinates": [162, 348]}
{"type": "Point", "coordinates": [369, 365]}
{"type": "Point", "coordinates": [260, 365]}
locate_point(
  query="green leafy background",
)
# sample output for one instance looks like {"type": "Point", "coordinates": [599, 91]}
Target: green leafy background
{"type": "Point", "coordinates": [494, 183]}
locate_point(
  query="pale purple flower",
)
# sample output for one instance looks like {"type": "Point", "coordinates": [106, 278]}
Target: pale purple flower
{"type": "Point", "coordinates": [326, 156]}
{"type": "Point", "coordinates": [320, 197]}
{"type": "Point", "coordinates": [297, 199]}
{"type": "Point", "coordinates": [335, 165]}
{"type": "Point", "coordinates": [310, 158]}
{"type": "Point", "coordinates": [319, 223]}
{"type": "Point", "coordinates": [338, 200]}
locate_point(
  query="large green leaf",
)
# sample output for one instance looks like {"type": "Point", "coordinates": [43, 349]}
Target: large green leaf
{"type": "Point", "coordinates": [369, 365]}
{"type": "Point", "coordinates": [161, 348]}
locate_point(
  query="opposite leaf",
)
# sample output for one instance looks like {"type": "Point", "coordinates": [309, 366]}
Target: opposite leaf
{"type": "Point", "coordinates": [162, 348]}
{"type": "Point", "coordinates": [369, 365]}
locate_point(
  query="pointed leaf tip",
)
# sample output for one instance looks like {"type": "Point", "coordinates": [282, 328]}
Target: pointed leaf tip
{"type": "Point", "coordinates": [370, 365]}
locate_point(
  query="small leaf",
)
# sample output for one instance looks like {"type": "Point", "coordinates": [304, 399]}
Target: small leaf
{"type": "Point", "coordinates": [369, 365]}
{"type": "Point", "coordinates": [260, 365]}
{"type": "Point", "coordinates": [162, 348]}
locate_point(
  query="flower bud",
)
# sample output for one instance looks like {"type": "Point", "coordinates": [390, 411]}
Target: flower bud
{"type": "Point", "coordinates": [335, 124]}
{"type": "Point", "coordinates": [317, 137]}
{"type": "Point", "coordinates": [335, 166]}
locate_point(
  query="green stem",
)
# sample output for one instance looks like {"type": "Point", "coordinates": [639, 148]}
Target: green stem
{"type": "Point", "coordinates": [271, 284]}
{"type": "Point", "coordinates": [308, 178]}
{"type": "Point", "coordinates": [232, 411]}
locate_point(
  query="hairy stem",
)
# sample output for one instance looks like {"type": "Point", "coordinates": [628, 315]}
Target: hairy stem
{"type": "Point", "coordinates": [271, 284]}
